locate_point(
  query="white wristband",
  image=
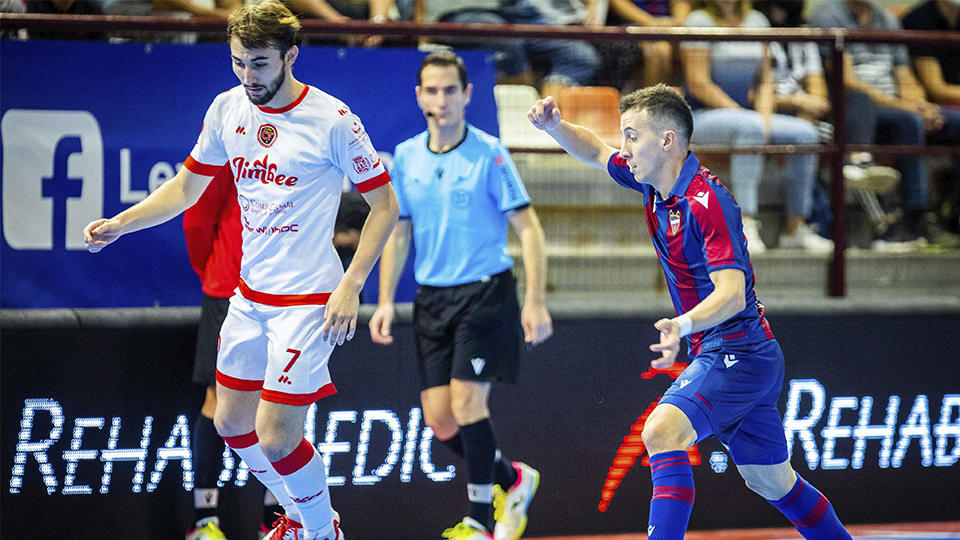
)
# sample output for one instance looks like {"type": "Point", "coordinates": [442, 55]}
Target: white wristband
{"type": "Point", "coordinates": [686, 325]}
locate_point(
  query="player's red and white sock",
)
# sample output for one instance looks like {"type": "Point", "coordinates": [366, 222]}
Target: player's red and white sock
{"type": "Point", "coordinates": [248, 448]}
{"type": "Point", "coordinates": [305, 478]}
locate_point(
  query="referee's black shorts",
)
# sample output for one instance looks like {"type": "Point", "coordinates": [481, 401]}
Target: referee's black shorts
{"type": "Point", "coordinates": [469, 332]}
{"type": "Point", "coordinates": [212, 313]}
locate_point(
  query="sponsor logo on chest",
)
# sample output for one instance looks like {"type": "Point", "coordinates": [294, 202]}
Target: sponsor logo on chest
{"type": "Point", "coordinates": [262, 170]}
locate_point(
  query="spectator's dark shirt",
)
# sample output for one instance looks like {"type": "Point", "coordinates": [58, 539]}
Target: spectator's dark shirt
{"type": "Point", "coordinates": [927, 17]}
{"type": "Point", "coordinates": [79, 7]}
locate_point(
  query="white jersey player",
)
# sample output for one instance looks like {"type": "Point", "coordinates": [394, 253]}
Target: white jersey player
{"type": "Point", "coordinates": [288, 146]}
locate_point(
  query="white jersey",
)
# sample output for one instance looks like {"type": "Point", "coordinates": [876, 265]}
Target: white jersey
{"type": "Point", "coordinates": [289, 165]}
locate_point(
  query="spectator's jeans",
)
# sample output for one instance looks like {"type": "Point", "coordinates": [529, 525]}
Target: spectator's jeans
{"type": "Point", "coordinates": [896, 126]}
{"type": "Point", "coordinates": [572, 63]}
{"type": "Point", "coordinates": [742, 127]}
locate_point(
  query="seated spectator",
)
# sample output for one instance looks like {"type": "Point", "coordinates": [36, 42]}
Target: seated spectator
{"type": "Point", "coordinates": [568, 63]}
{"type": "Point", "coordinates": [715, 74]}
{"type": "Point", "coordinates": [657, 55]}
{"type": "Point", "coordinates": [198, 8]}
{"type": "Point", "coordinates": [801, 90]}
{"type": "Point", "coordinates": [12, 6]}
{"type": "Point", "coordinates": [938, 69]}
{"type": "Point", "coordinates": [904, 115]}
{"type": "Point", "coordinates": [65, 7]}
{"type": "Point", "coordinates": [376, 11]}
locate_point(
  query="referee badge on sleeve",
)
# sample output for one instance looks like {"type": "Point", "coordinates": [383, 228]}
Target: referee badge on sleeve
{"type": "Point", "coordinates": [674, 221]}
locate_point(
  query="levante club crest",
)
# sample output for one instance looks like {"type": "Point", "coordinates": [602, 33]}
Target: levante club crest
{"type": "Point", "coordinates": [674, 221]}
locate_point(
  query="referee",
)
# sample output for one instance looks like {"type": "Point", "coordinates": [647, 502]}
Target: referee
{"type": "Point", "coordinates": [458, 189]}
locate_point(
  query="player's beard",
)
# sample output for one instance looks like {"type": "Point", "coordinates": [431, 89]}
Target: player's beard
{"type": "Point", "coordinates": [271, 89]}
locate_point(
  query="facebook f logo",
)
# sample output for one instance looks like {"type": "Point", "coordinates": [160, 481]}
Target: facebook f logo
{"type": "Point", "coordinates": [52, 177]}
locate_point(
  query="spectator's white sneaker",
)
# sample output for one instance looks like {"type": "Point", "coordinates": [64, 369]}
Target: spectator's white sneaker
{"type": "Point", "coordinates": [870, 176]}
{"type": "Point", "coordinates": [806, 239]}
{"type": "Point", "coordinates": [510, 508]}
{"type": "Point", "coordinates": [468, 529]}
{"type": "Point", "coordinates": [751, 229]}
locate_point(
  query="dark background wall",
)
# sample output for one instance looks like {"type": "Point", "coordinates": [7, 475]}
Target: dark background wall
{"type": "Point", "coordinates": [578, 395]}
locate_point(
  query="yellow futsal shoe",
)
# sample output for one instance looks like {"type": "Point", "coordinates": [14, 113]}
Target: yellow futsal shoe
{"type": "Point", "coordinates": [468, 529]}
{"type": "Point", "coordinates": [206, 529]}
{"type": "Point", "coordinates": [510, 508]}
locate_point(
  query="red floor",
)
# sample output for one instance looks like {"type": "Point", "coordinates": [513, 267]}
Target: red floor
{"type": "Point", "coordinates": [916, 531]}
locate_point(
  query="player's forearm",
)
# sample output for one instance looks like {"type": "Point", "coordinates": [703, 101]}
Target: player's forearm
{"type": "Point", "coordinates": [167, 202]}
{"type": "Point", "coordinates": [582, 144]}
{"type": "Point", "coordinates": [393, 260]}
{"type": "Point", "coordinates": [724, 302]}
{"type": "Point", "coordinates": [533, 246]}
{"type": "Point", "coordinates": [376, 231]}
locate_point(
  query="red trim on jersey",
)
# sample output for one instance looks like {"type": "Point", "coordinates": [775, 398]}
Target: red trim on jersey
{"type": "Point", "coordinates": [242, 441]}
{"type": "Point", "coordinates": [618, 161]}
{"type": "Point", "coordinates": [298, 399]}
{"type": "Point", "coordinates": [283, 300]}
{"type": "Point", "coordinates": [203, 169]}
{"type": "Point", "coordinates": [300, 456]}
{"type": "Point", "coordinates": [288, 107]}
{"type": "Point", "coordinates": [369, 185]}
{"type": "Point", "coordinates": [736, 335]}
{"type": "Point", "coordinates": [716, 238]}
{"type": "Point", "coordinates": [243, 385]}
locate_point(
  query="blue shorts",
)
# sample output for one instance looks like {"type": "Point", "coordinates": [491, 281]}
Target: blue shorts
{"type": "Point", "coordinates": [733, 393]}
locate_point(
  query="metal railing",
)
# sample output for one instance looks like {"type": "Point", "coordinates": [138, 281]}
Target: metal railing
{"type": "Point", "coordinates": [835, 38]}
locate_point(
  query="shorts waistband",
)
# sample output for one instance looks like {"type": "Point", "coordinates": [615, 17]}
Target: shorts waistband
{"type": "Point", "coordinates": [283, 300]}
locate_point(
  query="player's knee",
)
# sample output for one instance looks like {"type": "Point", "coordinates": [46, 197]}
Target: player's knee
{"type": "Point", "coordinates": [767, 486]}
{"type": "Point", "coordinates": [656, 437]}
{"type": "Point", "coordinates": [275, 444]}
{"type": "Point", "coordinates": [468, 408]}
{"type": "Point", "coordinates": [443, 425]}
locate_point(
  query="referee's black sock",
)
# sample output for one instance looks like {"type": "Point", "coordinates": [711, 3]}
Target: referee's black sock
{"type": "Point", "coordinates": [207, 448]}
{"type": "Point", "coordinates": [504, 474]}
{"type": "Point", "coordinates": [480, 450]}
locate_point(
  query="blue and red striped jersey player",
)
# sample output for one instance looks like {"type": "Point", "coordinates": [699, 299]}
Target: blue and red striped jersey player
{"type": "Point", "coordinates": [731, 387]}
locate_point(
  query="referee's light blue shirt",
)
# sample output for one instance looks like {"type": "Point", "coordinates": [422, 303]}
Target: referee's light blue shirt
{"type": "Point", "coordinates": [458, 203]}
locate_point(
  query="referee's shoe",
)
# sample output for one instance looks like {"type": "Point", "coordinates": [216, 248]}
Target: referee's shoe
{"type": "Point", "coordinates": [510, 507]}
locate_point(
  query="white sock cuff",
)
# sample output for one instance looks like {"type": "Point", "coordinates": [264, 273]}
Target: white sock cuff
{"type": "Point", "coordinates": [480, 493]}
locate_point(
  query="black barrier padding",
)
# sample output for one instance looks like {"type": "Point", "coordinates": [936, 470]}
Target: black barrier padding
{"type": "Point", "coordinates": [577, 397]}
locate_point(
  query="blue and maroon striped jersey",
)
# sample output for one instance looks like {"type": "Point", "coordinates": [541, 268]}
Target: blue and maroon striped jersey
{"type": "Point", "coordinates": [697, 230]}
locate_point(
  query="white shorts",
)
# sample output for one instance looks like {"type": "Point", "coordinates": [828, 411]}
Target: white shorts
{"type": "Point", "coordinates": [276, 350]}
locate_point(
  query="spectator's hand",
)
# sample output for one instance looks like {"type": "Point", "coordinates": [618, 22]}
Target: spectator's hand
{"type": "Point", "coordinates": [669, 346]}
{"type": "Point", "coordinates": [545, 114]}
{"type": "Point", "coordinates": [97, 234]}
{"type": "Point", "coordinates": [932, 117]}
{"type": "Point", "coordinates": [536, 322]}
{"type": "Point", "coordinates": [664, 22]}
{"type": "Point", "coordinates": [340, 315]}
{"type": "Point", "coordinates": [373, 41]}
{"type": "Point", "coordinates": [811, 106]}
{"type": "Point", "coordinates": [381, 323]}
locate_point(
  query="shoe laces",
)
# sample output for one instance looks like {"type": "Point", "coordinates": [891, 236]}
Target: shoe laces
{"type": "Point", "coordinates": [499, 502]}
{"type": "Point", "coordinates": [461, 530]}
{"type": "Point", "coordinates": [283, 526]}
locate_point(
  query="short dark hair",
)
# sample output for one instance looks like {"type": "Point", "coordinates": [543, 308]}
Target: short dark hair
{"type": "Point", "coordinates": [664, 105]}
{"type": "Point", "coordinates": [267, 25]}
{"type": "Point", "coordinates": [444, 59]}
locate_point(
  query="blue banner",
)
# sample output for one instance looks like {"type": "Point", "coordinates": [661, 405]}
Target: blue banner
{"type": "Point", "coordinates": [89, 129]}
